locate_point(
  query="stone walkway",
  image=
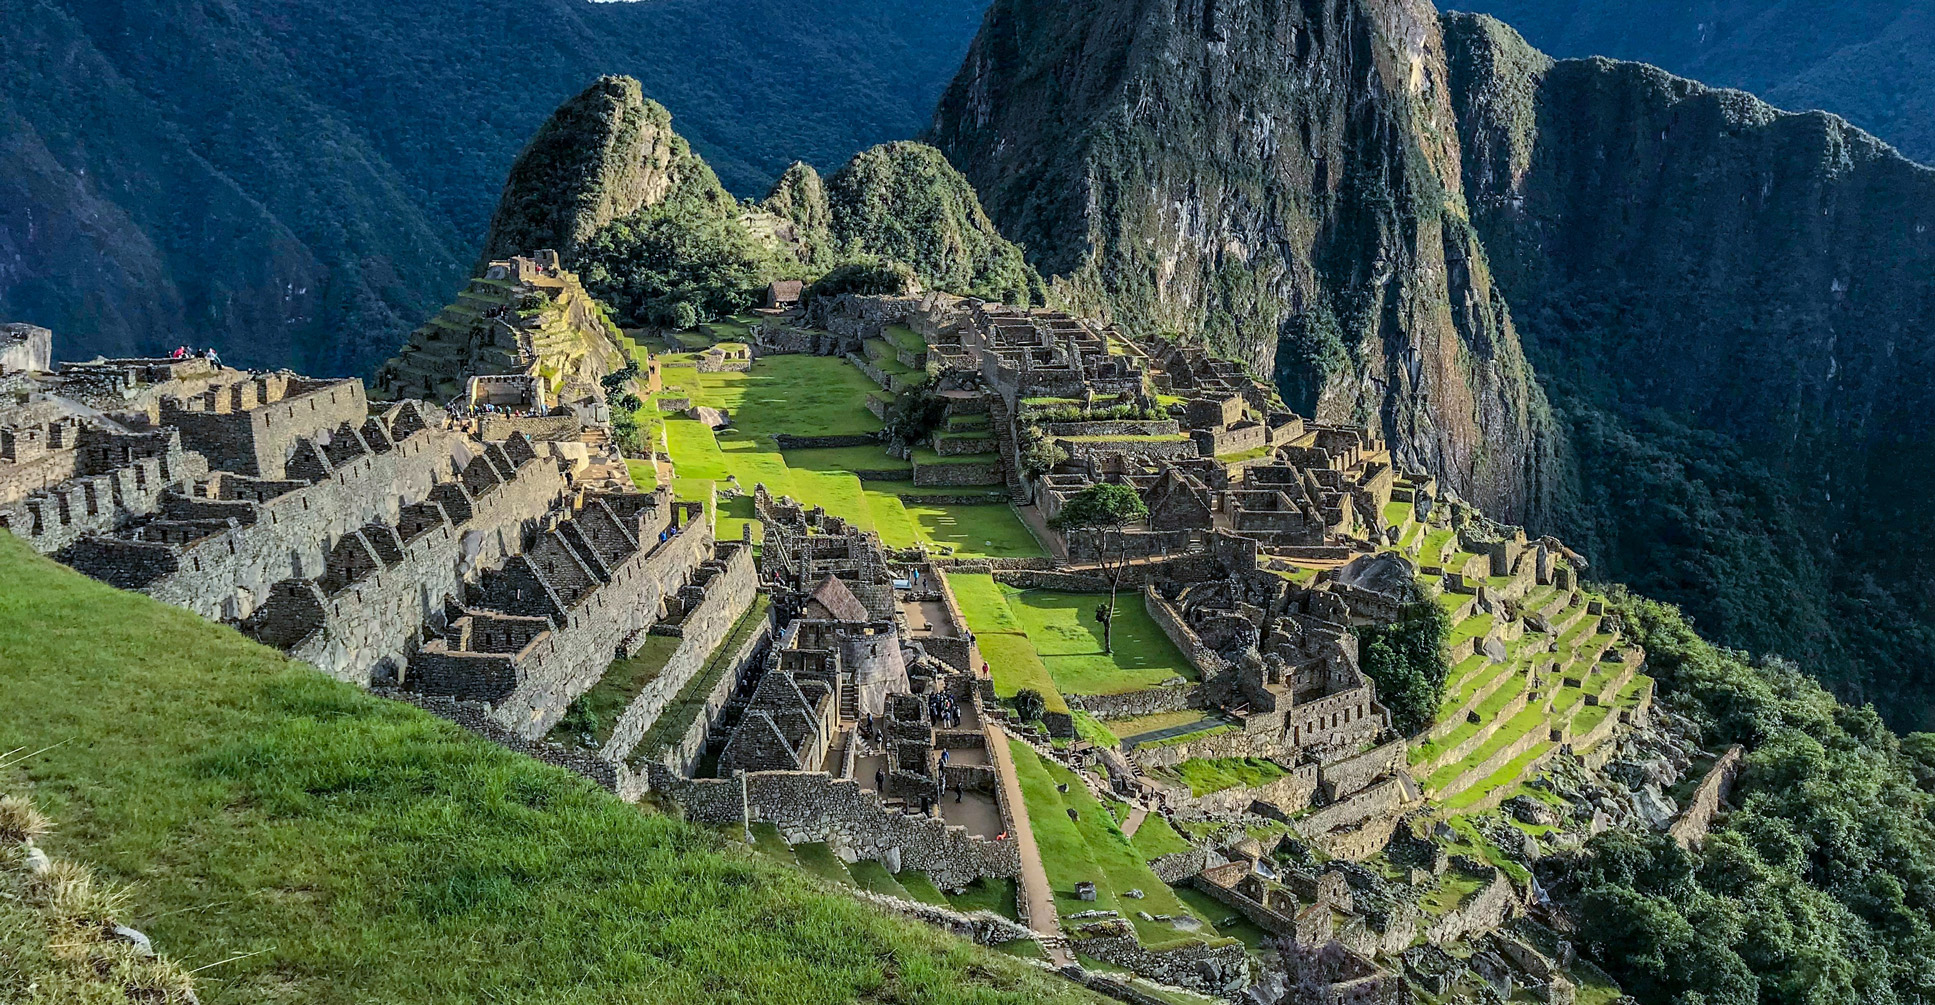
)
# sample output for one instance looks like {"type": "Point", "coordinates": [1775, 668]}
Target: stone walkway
{"type": "Point", "coordinates": [1035, 893]}
{"type": "Point", "coordinates": [1136, 815]}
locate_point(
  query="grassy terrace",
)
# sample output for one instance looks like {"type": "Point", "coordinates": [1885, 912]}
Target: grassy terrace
{"type": "Point", "coordinates": [1011, 658]}
{"type": "Point", "coordinates": [1064, 632]}
{"type": "Point", "coordinates": [1208, 775]}
{"type": "Point", "coordinates": [336, 847]}
{"type": "Point", "coordinates": [818, 396]}
{"type": "Point", "coordinates": [1092, 848]}
{"type": "Point", "coordinates": [599, 708]}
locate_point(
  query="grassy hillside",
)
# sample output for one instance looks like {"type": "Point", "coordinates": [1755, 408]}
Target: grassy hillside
{"type": "Point", "coordinates": [351, 849]}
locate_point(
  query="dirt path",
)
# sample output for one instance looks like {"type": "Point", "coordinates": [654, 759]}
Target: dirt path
{"type": "Point", "coordinates": [1136, 815]}
{"type": "Point", "coordinates": [1035, 891]}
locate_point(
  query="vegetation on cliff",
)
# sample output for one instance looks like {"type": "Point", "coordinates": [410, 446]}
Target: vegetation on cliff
{"type": "Point", "coordinates": [626, 201]}
{"type": "Point", "coordinates": [1868, 61]}
{"type": "Point", "coordinates": [1820, 887]}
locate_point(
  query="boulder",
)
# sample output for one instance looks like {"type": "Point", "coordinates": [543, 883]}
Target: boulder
{"type": "Point", "coordinates": [1496, 651]}
{"type": "Point", "coordinates": [1525, 809]}
{"type": "Point", "coordinates": [713, 418]}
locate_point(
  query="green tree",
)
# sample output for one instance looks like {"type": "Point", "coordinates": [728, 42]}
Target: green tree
{"type": "Point", "coordinates": [1029, 704]}
{"type": "Point", "coordinates": [1407, 660]}
{"type": "Point", "coordinates": [1107, 508]}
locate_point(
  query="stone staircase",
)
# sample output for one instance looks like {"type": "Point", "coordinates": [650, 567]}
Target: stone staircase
{"type": "Point", "coordinates": [1003, 422]}
{"type": "Point", "coordinates": [849, 699]}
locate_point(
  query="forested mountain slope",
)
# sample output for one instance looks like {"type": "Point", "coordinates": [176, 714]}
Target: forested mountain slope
{"type": "Point", "coordinates": [1871, 61]}
{"type": "Point", "coordinates": [301, 182]}
{"type": "Point", "coordinates": [1729, 308]}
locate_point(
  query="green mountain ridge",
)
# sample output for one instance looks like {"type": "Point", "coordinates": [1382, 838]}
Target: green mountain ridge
{"type": "Point", "coordinates": [301, 183]}
{"type": "Point", "coordinates": [1869, 62]}
{"type": "Point", "coordinates": [609, 184]}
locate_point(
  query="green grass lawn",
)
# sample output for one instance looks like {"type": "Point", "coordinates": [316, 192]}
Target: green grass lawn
{"type": "Point", "coordinates": [1156, 838]}
{"type": "Point", "coordinates": [1207, 775]}
{"type": "Point", "coordinates": [921, 888]}
{"type": "Point", "coordinates": [1011, 658]}
{"type": "Point", "coordinates": [818, 396]}
{"type": "Point", "coordinates": [347, 849]}
{"type": "Point", "coordinates": [1091, 848]}
{"type": "Point", "coordinates": [1063, 629]}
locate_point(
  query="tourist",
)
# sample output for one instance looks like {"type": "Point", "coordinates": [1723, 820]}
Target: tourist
{"type": "Point", "coordinates": [209, 355]}
{"type": "Point", "coordinates": [880, 780]}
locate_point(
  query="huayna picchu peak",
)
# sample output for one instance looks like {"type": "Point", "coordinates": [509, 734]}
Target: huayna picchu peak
{"type": "Point", "coordinates": [1255, 503]}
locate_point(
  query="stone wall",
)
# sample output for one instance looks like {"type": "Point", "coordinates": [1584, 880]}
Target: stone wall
{"type": "Point", "coordinates": [681, 754]}
{"type": "Point", "coordinates": [810, 806]}
{"type": "Point", "coordinates": [289, 534]}
{"type": "Point", "coordinates": [615, 615]}
{"type": "Point", "coordinates": [1289, 794]}
{"type": "Point", "coordinates": [277, 411]}
{"type": "Point", "coordinates": [104, 482]}
{"type": "Point", "coordinates": [1147, 701]}
{"type": "Point", "coordinates": [1340, 778]}
{"type": "Point", "coordinates": [375, 620]}
{"type": "Point", "coordinates": [1200, 656]}
{"type": "Point", "coordinates": [787, 441]}
{"type": "Point", "coordinates": [1137, 451]}
{"type": "Point", "coordinates": [1038, 579]}
{"type": "Point", "coordinates": [1113, 427]}
{"type": "Point", "coordinates": [1381, 799]}
{"type": "Point", "coordinates": [1690, 828]}
{"type": "Point", "coordinates": [727, 596]}
{"type": "Point", "coordinates": [1218, 970]}
{"type": "Point", "coordinates": [1274, 922]}
{"type": "Point", "coordinates": [1483, 911]}
{"type": "Point", "coordinates": [958, 473]}
{"type": "Point", "coordinates": [1092, 545]}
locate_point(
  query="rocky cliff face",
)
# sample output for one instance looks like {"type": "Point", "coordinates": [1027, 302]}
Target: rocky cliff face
{"type": "Point", "coordinates": [1281, 179]}
{"type": "Point", "coordinates": [1729, 306]}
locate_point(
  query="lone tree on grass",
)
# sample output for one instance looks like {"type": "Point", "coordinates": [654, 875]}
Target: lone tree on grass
{"type": "Point", "coordinates": [1109, 509]}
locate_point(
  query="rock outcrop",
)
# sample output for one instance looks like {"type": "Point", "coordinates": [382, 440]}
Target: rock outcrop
{"type": "Point", "coordinates": [1282, 181]}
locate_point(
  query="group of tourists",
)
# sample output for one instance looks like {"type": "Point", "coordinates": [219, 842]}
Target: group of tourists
{"type": "Point", "coordinates": [183, 352]}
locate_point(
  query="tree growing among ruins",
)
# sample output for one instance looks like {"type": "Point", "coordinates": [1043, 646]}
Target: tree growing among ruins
{"type": "Point", "coordinates": [1108, 509]}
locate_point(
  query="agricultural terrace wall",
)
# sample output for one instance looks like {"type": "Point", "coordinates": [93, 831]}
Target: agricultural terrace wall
{"type": "Point", "coordinates": [1690, 829]}
{"type": "Point", "coordinates": [224, 575]}
{"type": "Point", "coordinates": [1289, 794]}
{"type": "Point", "coordinates": [1147, 701]}
{"type": "Point", "coordinates": [682, 754]}
{"type": "Point", "coordinates": [1381, 799]}
{"type": "Point", "coordinates": [1235, 743]}
{"type": "Point", "coordinates": [612, 618]}
{"type": "Point", "coordinates": [375, 620]}
{"type": "Point", "coordinates": [1113, 427]}
{"type": "Point", "coordinates": [1222, 970]}
{"type": "Point", "coordinates": [1483, 911]}
{"type": "Point", "coordinates": [1202, 657]}
{"type": "Point", "coordinates": [1142, 451]}
{"type": "Point", "coordinates": [809, 806]}
{"type": "Point", "coordinates": [1037, 579]}
{"type": "Point", "coordinates": [956, 474]}
{"type": "Point", "coordinates": [787, 441]}
{"type": "Point", "coordinates": [1341, 778]}
{"type": "Point", "coordinates": [727, 596]}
